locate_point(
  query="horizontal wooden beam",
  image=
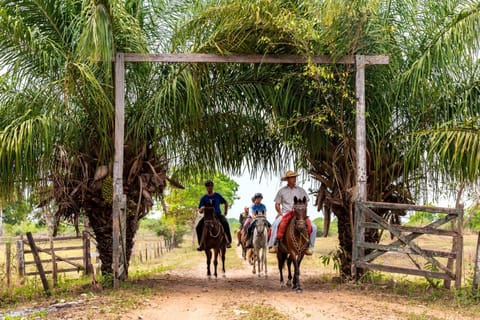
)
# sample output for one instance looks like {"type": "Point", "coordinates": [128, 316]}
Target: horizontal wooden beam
{"type": "Point", "coordinates": [398, 249]}
{"type": "Point", "coordinates": [401, 206]}
{"type": "Point", "coordinates": [415, 272]}
{"type": "Point", "coordinates": [424, 230]}
{"type": "Point", "coordinates": [247, 58]}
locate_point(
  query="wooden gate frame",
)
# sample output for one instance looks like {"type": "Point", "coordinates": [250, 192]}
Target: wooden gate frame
{"type": "Point", "coordinates": [118, 215]}
{"type": "Point", "coordinates": [365, 217]}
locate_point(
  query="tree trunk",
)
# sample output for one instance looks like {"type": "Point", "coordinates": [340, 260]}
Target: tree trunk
{"type": "Point", "coordinates": [345, 239]}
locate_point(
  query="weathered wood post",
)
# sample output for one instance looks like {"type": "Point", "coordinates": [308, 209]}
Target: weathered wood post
{"type": "Point", "coordinates": [476, 274]}
{"type": "Point", "coordinates": [38, 262]}
{"type": "Point", "coordinates": [87, 259]}
{"type": "Point", "coordinates": [358, 234]}
{"type": "Point", "coordinates": [21, 259]}
{"type": "Point", "coordinates": [119, 270]}
{"type": "Point", "coordinates": [8, 262]}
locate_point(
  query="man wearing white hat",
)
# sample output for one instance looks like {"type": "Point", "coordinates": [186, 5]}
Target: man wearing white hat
{"type": "Point", "coordinates": [284, 204]}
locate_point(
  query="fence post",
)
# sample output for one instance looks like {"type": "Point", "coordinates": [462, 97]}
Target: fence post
{"type": "Point", "coordinates": [20, 258]}
{"type": "Point", "coordinates": [87, 259]}
{"type": "Point", "coordinates": [54, 262]}
{"type": "Point", "coordinates": [476, 274]}
{"type": "Point", "coordinates": [8, 256]}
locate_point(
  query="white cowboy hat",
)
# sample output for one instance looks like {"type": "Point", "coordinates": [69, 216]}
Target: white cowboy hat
{"type": "Point", "coordinates": [289, 174]}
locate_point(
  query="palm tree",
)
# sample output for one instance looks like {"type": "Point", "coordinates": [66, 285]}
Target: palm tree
{"type": "Point", "coordinates": [313, 107]}
{"type": "Point", "coordinates": [57, 113]}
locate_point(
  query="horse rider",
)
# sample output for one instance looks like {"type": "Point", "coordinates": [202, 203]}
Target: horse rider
{"type": "Point", "coordinates": [215, 199]}
{"type": "Point", "coordinates": [241, 219]}
{"type": "Point", "coordinates": [257, 208]}
{"type": "Point", "coordinates": [283, 205]}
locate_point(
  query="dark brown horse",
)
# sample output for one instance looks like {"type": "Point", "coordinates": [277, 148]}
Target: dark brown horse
{"type": "Point", "coordinates": [294, 243]}
{"type": "Point", "coordinates": [213, 238]}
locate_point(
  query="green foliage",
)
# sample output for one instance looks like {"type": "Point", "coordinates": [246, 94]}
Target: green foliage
{"type": "Point", "coordinates": [22, 228]}
{"type": "Point", "coordinates": [333, 227]}
{"type": "Point", "coordinates": [183, 203]}
{"type": "Point", "coordinates": [334, 257]}
{"type": "Point", "coordinates": [421, 218]}
{"type": "Point", "coordinates": [168, 227]}
{"type": "Point", "coordinates": [17, 212]}
{"type": "Point", "coordinates": [473, 218]}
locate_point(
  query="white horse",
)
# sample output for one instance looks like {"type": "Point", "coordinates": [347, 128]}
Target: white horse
{"type": "Point", "coordinates": [260, 242]}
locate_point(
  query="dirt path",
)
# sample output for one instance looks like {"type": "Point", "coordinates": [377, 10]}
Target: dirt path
{"type": "Point", "coordinates": [190, 295]}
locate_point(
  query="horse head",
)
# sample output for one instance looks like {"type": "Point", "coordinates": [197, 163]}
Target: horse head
{"type": "Point", "coordinates": [300, 210]}
{"type": "Point", "coordinates": [209, 213]}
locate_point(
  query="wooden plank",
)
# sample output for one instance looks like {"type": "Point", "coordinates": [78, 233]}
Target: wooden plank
{"type": "Point", "coordinates": [46, 239]}
{"type": "Point", "coordinates": [247, 58]}
{"type": "Point", "coordinates": [411, 244]}
{"type": "Point", "coordinates": [424, 230]}
{"type": "Point", "coordinates": [50, 260]}
{"type": "Point", "coordinates": [31, 242]}
{"type": "Point", "coordinates": [401, 206]}
{"type": "Point", "coordinates": [50, 271]}
{"type": "Point", "coordinates": [62, 248]}
{"type": "Point", "coordinates": [67, 260]}
{"type": "Point", "coordinates": [414, 272]}
{"type": "Point", "coordinates": [398, 249]}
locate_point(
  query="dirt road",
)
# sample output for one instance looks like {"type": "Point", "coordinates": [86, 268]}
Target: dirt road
{"type": "Point", "coordinates": [186, 293]}
{"type": "Point", "coordinates": [190, 295]}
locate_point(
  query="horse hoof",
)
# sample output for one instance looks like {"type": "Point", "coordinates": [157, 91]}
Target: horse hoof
{"type": "Point", "coordinates": [282, 285]}
{"type": "Point", "coordinates": [299, 290]}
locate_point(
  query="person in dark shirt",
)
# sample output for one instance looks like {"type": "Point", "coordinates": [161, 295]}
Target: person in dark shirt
{"type": "Point", "coordinates": [214, 199]}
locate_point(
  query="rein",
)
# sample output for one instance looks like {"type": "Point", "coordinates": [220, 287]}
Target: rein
{"type": "Point", "coordinates": [299, 248]}
{"type": "Point", "coordinates": [210, 224]}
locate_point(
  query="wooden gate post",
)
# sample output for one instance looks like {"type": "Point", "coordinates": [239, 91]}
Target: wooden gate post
{"type": "Point", "coordinates": [87, 259]}
{"type": "Point", "coordinates": [476, 274]}
{"type": "Point", "coordinates": [8, 261]}
{"type": "Point", "coordinates": [21, 258]}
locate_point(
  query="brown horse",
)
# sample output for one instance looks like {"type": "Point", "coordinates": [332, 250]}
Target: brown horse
{"type": "Point", "coordinates": [213, 238]}
{"type": "Point", "coordinates": [294, 243]}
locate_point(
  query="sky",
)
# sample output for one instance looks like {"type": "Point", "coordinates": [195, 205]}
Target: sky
{"type": "Point", "coordinates": [268, 186]}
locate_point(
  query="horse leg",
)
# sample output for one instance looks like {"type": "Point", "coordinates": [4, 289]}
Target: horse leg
{"type": "Point", "coordinates": [259, 266]}
{"type": "Point", "coordinates": [254, 253]}
{"type": "Point", "coordinates": [215, 263]}
{"type": "Point", "coordinates": [289, 267]}
{"type": "Point", "coordinates": [264, 257]}
{"type": "Point", "coordinates": [208, 252]}
{"type": "Point", "coordinates": [281, 263]}
{"type": "Point", "coordinates": [223, 250]}
{"type": "Point", "coordinates": [297, 286]}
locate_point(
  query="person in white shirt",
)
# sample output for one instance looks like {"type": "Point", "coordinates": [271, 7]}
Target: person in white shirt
{"type": "Point", "coordinates": [284, 204]}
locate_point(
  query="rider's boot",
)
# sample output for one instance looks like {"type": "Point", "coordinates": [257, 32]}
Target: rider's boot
{"type": "Point", "coordinates": [274, 248]}
{"type": "Point", "coordinates": [200, 247]}
{"type": "Point", "coordinates": [308, 252]}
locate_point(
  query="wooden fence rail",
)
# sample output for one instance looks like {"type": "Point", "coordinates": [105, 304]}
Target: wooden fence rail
{"type": "Point", "coordinates": [70, 254]}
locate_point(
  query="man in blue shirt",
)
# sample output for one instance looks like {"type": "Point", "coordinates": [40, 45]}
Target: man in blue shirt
{"type": "Point", "coordinates": [215, 199]}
